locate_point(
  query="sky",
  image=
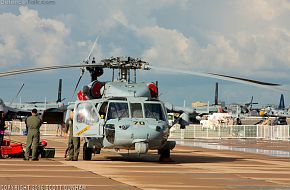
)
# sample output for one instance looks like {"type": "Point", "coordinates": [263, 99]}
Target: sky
{"type": "Point", "coordinates": [249, 38]}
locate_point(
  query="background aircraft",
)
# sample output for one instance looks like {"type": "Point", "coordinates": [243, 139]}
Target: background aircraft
{"type": "Point", "coordinates": [50, 112]}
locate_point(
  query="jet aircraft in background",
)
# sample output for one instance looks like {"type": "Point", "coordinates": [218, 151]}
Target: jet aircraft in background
{"type": "Point", "coordinates": [50, 112]}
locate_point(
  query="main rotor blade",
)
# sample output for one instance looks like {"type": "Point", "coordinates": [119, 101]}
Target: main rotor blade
{"type": "Point", "coordinates": [272, 86]}
{"type": "Point", "coordinates": [245, 79]}
{"type": "Point", "coordinates": [38, 69]}
{"type": "Point", "coordinates": [81, 76]}
{"type": "Point", "coordinates": [93, 47]}
{"type": "Point", "coordinates": [16, 95]}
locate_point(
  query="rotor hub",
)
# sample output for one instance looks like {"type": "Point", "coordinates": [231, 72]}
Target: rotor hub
{"type": "Point", "coordinates": [123, 64]}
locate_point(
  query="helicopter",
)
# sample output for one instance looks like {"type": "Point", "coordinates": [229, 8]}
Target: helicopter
{"type": "Point", "coordinates": [122, 113]}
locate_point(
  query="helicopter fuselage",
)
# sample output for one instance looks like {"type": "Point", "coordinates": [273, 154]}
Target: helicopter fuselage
{"type": "Point", "coordinates": [123, 123]}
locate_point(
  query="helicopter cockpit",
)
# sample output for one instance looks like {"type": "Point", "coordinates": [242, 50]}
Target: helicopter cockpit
{"type": "Point", "coordinates": [117, 109]}
{"type": "Point", "coordinates": [127, 109]}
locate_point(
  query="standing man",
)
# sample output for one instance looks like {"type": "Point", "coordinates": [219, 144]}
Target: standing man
{"type": "Point", "coordinates": [33, 124]}
{"type": "Point", "coordinates": [2, 126]}
{"type": "Point", "coordinates": [73, 142]}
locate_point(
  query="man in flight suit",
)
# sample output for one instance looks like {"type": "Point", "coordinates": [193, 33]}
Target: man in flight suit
{"type": "Point", "coordinates": [73, 142]}
{"type": "Point", "coordinates": [33, 124]}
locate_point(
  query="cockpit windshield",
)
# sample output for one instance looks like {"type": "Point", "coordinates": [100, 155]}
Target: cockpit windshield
{"type": "Point", "coordinates": [154, 111]}
{"type": "Point", "coordinates": [136, 110]}
{"type": "Point", "coordinates": [118, 110]}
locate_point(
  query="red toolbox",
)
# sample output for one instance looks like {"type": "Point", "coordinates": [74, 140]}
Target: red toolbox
{"type": "Point", "coordinates": [16, 148]}
{"type": "Point", "coordinates": [6, 150]}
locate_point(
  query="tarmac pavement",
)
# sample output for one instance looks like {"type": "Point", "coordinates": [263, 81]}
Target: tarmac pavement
{"type": "Point", "coordinates": [192, 168]}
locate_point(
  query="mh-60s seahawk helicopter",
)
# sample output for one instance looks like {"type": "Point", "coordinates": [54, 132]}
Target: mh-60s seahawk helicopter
{"type": "Point", "coordinates": [121, 114]}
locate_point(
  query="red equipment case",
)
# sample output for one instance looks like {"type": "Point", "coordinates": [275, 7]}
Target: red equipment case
{"type": "Point", "coordinates": [16, 148]}
{"type": "Point", "coordinates": [13, 151]}
{"type": "Point", "coordinates": [6, 150]}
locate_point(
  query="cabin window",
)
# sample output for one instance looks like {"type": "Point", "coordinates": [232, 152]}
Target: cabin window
{"type": "Point", "coordinates": [154, 111]}
{"type": "Point", "coordinates": [118, 110]}
{"type": "Point", "coordinates": [136, 110]}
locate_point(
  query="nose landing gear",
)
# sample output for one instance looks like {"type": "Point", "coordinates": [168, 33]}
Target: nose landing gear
{"type": "Point", "coordinates": [164, 155]}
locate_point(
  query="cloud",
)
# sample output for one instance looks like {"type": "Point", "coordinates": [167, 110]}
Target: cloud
{"type": "Point", "coordinates": [260, 54]}
{"type": "Point", "coordinates": [30, 39]}
{"type": "Point", "coordinates": [243, 38]}
{"type": "Point", "coordinates": [135, 29]}
{"type": "Point", "coordinates": [168, 47]}
{"type": "Point", "coordinates": [267, 10]}
{"type": "Point", "coordinates": [44, 41]}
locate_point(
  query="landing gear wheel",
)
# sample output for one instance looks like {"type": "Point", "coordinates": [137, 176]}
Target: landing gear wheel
{"type": "Point", "coordinates": [164, 155]}
{"type": "Point", "coordinates": [87, 152]}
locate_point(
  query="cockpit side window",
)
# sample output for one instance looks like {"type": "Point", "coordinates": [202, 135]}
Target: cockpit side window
{"type": "Point", "coordinates": [103, 110]}
{"type": "Point", "coordinates": [136, 110]}
{"type": "Point", "coordinates": [86, 113]}
{"type": "Point", "coordinates": [154, 111]}
{"type": "Point", "coordinates": [118, 110]}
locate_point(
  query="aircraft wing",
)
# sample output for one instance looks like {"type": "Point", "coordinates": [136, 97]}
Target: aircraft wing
{"type": "Point", "coordinates": [49, 116]}
{"type": "Point", "coordinates": [53, 116]}
{"type": "Point", "coordinates": [13, 113]}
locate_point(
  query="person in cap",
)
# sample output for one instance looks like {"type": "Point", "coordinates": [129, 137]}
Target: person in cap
{"type": "Point", "coordinates": [73, 142]}
{"type": "Point", "coordinates": [33, 136]}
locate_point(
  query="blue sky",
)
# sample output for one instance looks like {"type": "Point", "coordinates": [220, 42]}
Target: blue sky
{"type": "Point", "coordinates": [249, 38]}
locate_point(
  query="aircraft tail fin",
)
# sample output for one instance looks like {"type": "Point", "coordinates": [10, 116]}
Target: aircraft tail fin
{"type": "Point", "coordinates": [59, 91]}
{"type": "Point", "coordinates": [281, 103]}
{"type": "Point", "coordinates": [216, 98]}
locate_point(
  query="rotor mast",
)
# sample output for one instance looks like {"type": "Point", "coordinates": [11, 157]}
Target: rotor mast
{"type": "Point", "coordinates": [96, 71]}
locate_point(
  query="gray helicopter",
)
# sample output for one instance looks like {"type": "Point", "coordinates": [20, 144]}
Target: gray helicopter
{"type": "Point", "coordinates": [122, 113]}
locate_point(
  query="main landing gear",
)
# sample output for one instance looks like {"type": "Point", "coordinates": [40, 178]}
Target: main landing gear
{"type": "Point", "coordinates": [87, 152]}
